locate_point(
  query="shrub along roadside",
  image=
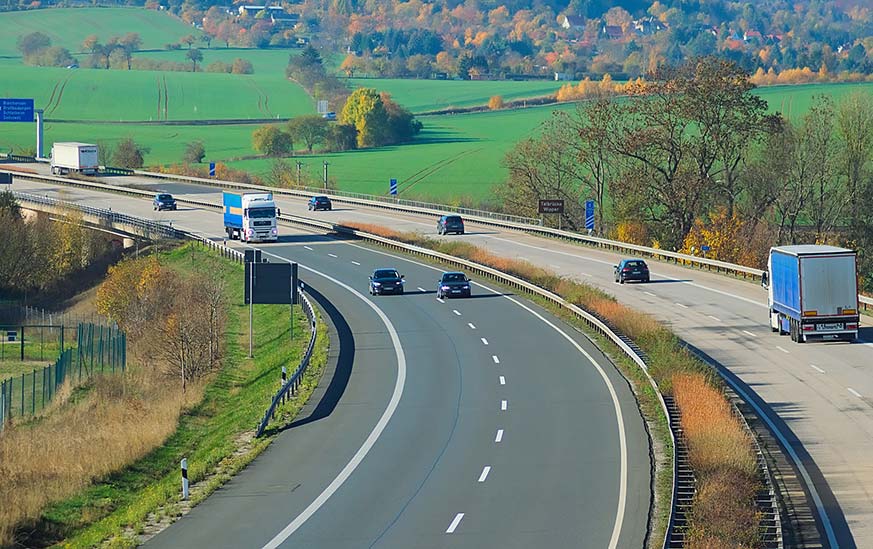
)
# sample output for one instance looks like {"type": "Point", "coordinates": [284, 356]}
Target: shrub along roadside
{"type": "Point", "coordinates": [720, 450]}
{"type": "Point", "coordinates": [214, 434]}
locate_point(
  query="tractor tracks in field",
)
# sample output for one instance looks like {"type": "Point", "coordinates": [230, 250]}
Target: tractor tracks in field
{"type": "Point", "coordinates": [431, 169]}
{"type": "Point", "coordinates": [57, 94]}
{"type": "Point", "coordinates": [163, 98]}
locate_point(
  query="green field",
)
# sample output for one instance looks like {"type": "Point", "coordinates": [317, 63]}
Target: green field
{"type": "Point", "coordinates": [430, 95]}
{"type": "Point", "coordinates": [265, 62]}
{"type": "Point", "coordinates": [794, 101]}
{"type": "Point", "coordinates": [116, 95]}
{"type": "Point", "coordinates": [68, 27]}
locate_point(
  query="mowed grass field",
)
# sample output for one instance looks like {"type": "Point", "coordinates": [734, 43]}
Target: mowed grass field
{"type": "Point", "coordinates": [121, 95]}
{"type": "Point", "coordinates": [68, 27]}
{"type": "Point", "coordinates": [265, 62]}
{"type": "Point", "coordinates": [429, 95]}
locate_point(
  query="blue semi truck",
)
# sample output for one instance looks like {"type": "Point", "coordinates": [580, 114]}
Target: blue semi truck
{"type": "Point", "coordinates": [813, 292]}
{"type": "Point", "coordinates": [251, 217]}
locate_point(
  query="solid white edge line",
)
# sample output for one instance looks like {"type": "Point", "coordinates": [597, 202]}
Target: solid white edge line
{"type": "Point", "coordinates": [499, 436]}
{"type": "Point", "coordinates": [470, 324]}
{"type": "Point", "coordinates": [368, 444]}
{"type": "Point", "coordinates": [503, 405]}
{"type": "Point", "coordinates": [455, 522]}
{"type": "Point", "coordinates": [816, 368]}
{"type": "Point", "coordinates": [484, 475]}
{"type": "Point", "coordinates": [484, 341]}
{"type": "Point", "coordinates": [622, 491]}
{"type": "Point", "coordinates": [495, 359]}
{"type": "Point", "coordinates": [854, 392]}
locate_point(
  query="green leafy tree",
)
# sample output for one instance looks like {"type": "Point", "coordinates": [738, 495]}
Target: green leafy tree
{"type": "Point", "coordinates": [364, 110]}
{"type": "Point", "coordinates": [272, 141]}
{"type": "Point", "coordinates": [194, 152]}
{"type": "Point", "coordinates": [341, 137]}
{"type": "Point", "coordinates": [129, 154]}
{"type": "Point", "coordinates": [32, 43]}
{"type": "Point", "coordinates": [195, 55]}
{"type": "Point", "coordinates": [309, 129]}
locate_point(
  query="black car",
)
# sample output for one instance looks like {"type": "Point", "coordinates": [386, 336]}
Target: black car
{"type": "Point", "coordinates": [164, 201]}
{"type": "Point", "coordinates": [631, 269]}
{"type": "Point", "coordinates": [320, 203]}
{"type": "Point", "coordinates": [453, 285]}
{"type": "Point", "coordinates": [450, 224]}
{"type": "Point", "coordinates": [386, 281]}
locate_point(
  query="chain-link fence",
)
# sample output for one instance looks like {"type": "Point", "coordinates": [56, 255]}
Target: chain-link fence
{"type": "Point", "coordinates": [98, 349]}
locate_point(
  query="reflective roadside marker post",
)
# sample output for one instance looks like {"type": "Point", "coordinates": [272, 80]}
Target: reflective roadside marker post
{"type": "Point", "coordinates": [212, 169]}
{"type": "Point", "coordinates": [184, 478]}
{"type": "Point", "coordinates": [589, 215]}
{"type": "Point", "coordinates": [392, 187]}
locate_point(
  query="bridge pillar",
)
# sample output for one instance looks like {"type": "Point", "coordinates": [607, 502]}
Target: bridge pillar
{"type": "Point", "coordinates": [29, 215]}
{"type": "Point", "coordinates": [128, 243]}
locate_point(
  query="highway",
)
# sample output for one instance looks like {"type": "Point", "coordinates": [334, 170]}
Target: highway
{"type": "Point", "coordinates": [819, 395]}
{"type": "Point", "coordinates": [466, 423]}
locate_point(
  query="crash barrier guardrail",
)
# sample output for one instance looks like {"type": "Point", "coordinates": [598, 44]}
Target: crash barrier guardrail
{"type": "Point", "coordinates": [99, 349]}
{"type": "Point", "coordinates": [289, 387]}
{"type": "Point", "coordinates": [866, 303]}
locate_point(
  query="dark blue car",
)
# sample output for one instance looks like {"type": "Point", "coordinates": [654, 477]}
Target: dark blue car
{"type": "Point", "coordinates": [386, 281]}
{"type": "Point", "coordinates": [164, 201]}
{"type": "Point", "coordinates": [453, 285]}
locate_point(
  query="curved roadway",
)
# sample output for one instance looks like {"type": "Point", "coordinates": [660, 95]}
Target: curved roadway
{"type": "Point", "coordinates": [480, 422]}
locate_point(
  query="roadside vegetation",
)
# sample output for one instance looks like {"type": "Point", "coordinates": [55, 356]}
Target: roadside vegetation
{"type": "Point", "coordinates": [720, 450]}
{"type": "Point", "coordinates": [102, 465]}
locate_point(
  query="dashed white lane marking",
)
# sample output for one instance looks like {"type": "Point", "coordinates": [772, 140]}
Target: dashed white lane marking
{"type": "Point", "coordinates": [495, 359]}
{"type": "Point", "coordinates": [484, 341]}
{"type": "Point", "coordinates": [715, 318]}
{"type": "Point", "coordinates": [307, 247]}
{"type": "Point", "coordinates": [783, 350]}
{"type": "Point", "coordinates": [681, 305]}
{"type": "Point", "coordinates": [420, 289]}
{"type": "Point", "coordinates": [816, 368]}
{"type": "Point", "coordinates": [456, 312]}
{"type": "Point", "coordinates": [748, 333]}
{"type": "Point", "coordinates": [355, 263]}
{"type": "Point", "coordinates": [503, 405]}
{"type": "Point", "coordinates": [649, 293]}
{"type": "Point", "coordinates": [484, 474]}
{"type": "Point", "coordinates": [455, 522]}
{"type": "Point", "coordinates": [502, 380]}
{"type": "Point", "coordinates": [854, 392]}
{"type": "Point", "coordinates": [440, 300]}
{"type": "Point", "coordinates": [332, 255]}
{"type": "Point", "coordinates": [499, 436]}
{"type": "Point", "coordinates": [470, 324]}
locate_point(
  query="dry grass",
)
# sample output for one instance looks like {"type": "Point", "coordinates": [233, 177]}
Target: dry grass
{"type": "Point", "coordinates": [118, 420]}
{"type": "Point", "coordinates": [720, 451]}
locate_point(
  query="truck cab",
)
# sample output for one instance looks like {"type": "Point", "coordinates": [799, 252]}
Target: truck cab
{"type": "Point", "coordinates": [251, 217]}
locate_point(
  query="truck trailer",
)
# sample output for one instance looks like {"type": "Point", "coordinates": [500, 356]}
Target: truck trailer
{"type": "Point", "coordinates": [813, 292]}
{"type": "Point", "coordinates": [250, 216]}
{"type": "Point", "coordinates": [74, 157]}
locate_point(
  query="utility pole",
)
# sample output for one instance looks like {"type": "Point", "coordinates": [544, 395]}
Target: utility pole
{"type": "Point", "coordinates": [299, 165]}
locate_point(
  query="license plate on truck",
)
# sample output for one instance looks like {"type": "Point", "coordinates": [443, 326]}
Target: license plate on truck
{"type": "Point", "coordinates": [830, 326]}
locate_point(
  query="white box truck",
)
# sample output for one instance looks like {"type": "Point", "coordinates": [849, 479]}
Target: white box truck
{"type": "Point", "coordinates": [813, 292]}
{"type": "Point", "coordinates": [74, 157]}
{"type": "Point", "coordinates": [251, 217]}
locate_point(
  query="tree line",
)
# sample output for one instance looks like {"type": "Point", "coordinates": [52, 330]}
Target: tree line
{"type": "Point", "coordinates": [41, 255]}
{"type": "Point", "coordinates": [691, 157]}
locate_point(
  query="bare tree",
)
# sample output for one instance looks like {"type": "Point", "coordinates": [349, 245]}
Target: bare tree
{"type": "Point", "coordinates": [855, 127]}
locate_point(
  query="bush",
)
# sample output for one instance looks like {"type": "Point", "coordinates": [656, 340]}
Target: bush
{"type": "Point", "coordinates": [194, 152]}
{"type": "Point", "coordinates": [129, 154]}
{"type": "Point", "coordinates": [272, 141]}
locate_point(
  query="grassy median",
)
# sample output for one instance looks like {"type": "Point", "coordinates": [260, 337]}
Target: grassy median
{"type": "Point", "coordinates": [115, 448]}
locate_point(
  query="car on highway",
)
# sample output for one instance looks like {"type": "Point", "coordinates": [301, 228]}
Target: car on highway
{"type": "Point", "coordinates": [386, 281]}
{"type": "Point", "coordinates": [450, 224]}
{"type": "Point", "coordinates": [320, 203]}
{"type": "Point", "coordinates": [631, 269]}
{"type": "Point", "coordinates": [164, 201]}
{"type": "Point", "coordinates": [453, 284]}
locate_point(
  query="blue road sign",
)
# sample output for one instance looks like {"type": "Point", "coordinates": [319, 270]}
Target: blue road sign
{"type": "Point", "coordinates": [16, 110]}
{"type": "Point", "coordinates": [393, 187]}
{"type": "Point", "coordinates": [589, 214]}
{"type": "Point", "coordinates": [212, 169]}
{"type": "Point", "coordinates": [705, 248]}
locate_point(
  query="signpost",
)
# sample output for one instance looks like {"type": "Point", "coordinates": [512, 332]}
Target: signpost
{"type": "Point", "coordinates": [5, 178]}
{"type": "Point", "coordinates": [16, 110]}
{"type": "Point", "coordinates": [552, 207]}
{"type": "Point", "coordinates": [392, 187]}
{"type": "Point", "coordinates": [705, 249]}
{"type": "Point", "coordinates": [589, 215]}
{"type": "Point", "coordinates": [268, 283]}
